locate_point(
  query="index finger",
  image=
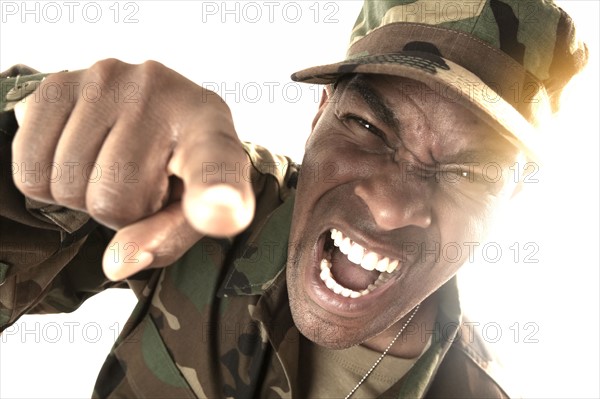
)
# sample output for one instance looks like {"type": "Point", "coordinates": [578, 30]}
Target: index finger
{"type": "Point", "coordinates": [209, 158]}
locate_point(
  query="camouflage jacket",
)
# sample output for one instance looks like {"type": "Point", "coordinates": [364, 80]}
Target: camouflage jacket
{"type": "Point", "coordinates": [217, 323]}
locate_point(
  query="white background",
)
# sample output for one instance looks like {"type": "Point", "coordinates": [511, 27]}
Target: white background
{"type": "Point", "coordinates": [543, 315]}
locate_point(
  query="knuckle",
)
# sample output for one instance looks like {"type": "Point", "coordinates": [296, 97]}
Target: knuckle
{"type": "Point", "coordinates": [104, 73]}
{"type": "Point", "coordinates": [106, 67]}
{"type": "Point", "coordinates": [149, 73]}
{"type": "Point", "coordinates": [136, 90]}
{"type": "Point", "coordinates": [152, 67]}
{"type": "Point", "coordinates": [152, 76]}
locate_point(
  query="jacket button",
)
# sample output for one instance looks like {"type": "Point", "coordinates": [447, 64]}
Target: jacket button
{"type": "Point", "coordinates": [22, 90]}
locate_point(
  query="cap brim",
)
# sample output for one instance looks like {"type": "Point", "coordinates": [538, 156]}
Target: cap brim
{"type": "Point", "coordinates": [446, 78]}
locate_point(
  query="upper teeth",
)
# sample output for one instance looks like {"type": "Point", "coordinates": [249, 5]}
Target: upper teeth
{"type": "Point", "coordinates": [339, 289]}
{"type": "Point", "coordinates": [357, 254]}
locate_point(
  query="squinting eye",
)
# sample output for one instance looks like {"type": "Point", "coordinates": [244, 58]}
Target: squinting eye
{"type": "Point", "coordinates": [455, 175]}
{"type": "Point", "coordinates": [365, 124]}
{"type": "Point", "coordinates": [474, 181]}
{"type": "Point", "coordinates": [466, 175]}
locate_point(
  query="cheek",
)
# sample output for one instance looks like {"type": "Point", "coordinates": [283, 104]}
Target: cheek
{"type": "Point", "coordinates": [326, 165]}
{"type": "Point", "coordinates": [462, 230]}
{"type": "Point", "coordinates": [333, 159]}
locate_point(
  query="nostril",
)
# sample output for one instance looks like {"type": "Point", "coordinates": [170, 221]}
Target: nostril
{"type": "Point", "coordinates": [395, 206]}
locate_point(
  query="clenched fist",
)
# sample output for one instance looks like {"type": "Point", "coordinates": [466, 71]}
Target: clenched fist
{"type": "Point", "coordinates": [132, 144]}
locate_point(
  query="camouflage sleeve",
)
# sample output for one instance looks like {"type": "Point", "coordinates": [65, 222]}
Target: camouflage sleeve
{"type": "Point", "coordinates": [49, 255]}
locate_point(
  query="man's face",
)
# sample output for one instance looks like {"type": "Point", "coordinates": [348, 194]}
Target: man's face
{"type": "Point", "coordinates": [405, 181]}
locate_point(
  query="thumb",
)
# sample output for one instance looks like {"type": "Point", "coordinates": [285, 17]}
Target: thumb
{"type": "Point", "coordinates": [156, 241]}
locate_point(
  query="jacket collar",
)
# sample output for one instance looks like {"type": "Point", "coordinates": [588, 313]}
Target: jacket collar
{"type": "Point", "coordinates": [263, 256]}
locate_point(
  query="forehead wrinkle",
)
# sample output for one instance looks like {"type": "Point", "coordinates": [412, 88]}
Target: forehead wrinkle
{"type": "Point", "coordinates": [483, 143]}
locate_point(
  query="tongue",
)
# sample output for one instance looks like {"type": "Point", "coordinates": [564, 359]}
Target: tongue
{"type": "Point", "coordinates": [349, 274]}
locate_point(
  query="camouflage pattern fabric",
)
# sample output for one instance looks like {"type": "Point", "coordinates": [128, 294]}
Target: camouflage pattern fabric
{"type": "Point", "coordinates": [535, 33]}
{"type": "Point", "coordinates": [217, 323]}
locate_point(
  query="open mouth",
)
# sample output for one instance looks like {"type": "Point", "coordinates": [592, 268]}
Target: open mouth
{"type": "Point", "coordinates": [352, 271]}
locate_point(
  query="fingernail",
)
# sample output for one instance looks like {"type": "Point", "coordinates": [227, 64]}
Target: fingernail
{"type": "Point", "coordinates": [219, 210]}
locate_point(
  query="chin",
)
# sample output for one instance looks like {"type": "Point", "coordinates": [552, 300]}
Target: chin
{"type": "Point", "coordinates": [338, 302]}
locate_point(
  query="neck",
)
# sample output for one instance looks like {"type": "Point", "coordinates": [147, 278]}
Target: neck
{"type": "Point", "coordinates": [413, 340]}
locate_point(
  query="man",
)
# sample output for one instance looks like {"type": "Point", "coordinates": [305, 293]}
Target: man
{"type": "Point", "coordinates": [392, 173]}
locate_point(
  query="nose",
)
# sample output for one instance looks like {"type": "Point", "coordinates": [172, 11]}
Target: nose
{"type": "Point", "coordinates": [396, 202]}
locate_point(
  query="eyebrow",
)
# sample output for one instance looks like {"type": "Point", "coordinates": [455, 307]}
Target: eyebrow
{"type": "Point", "coordinates": [375, 101]}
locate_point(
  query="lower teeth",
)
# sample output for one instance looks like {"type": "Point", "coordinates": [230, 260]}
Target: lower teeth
{"type": "Point", "coordinates": [334, 286]}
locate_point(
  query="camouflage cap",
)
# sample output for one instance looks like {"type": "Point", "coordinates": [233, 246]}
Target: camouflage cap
{"type": "Point", "coordinates": [506, 60]}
